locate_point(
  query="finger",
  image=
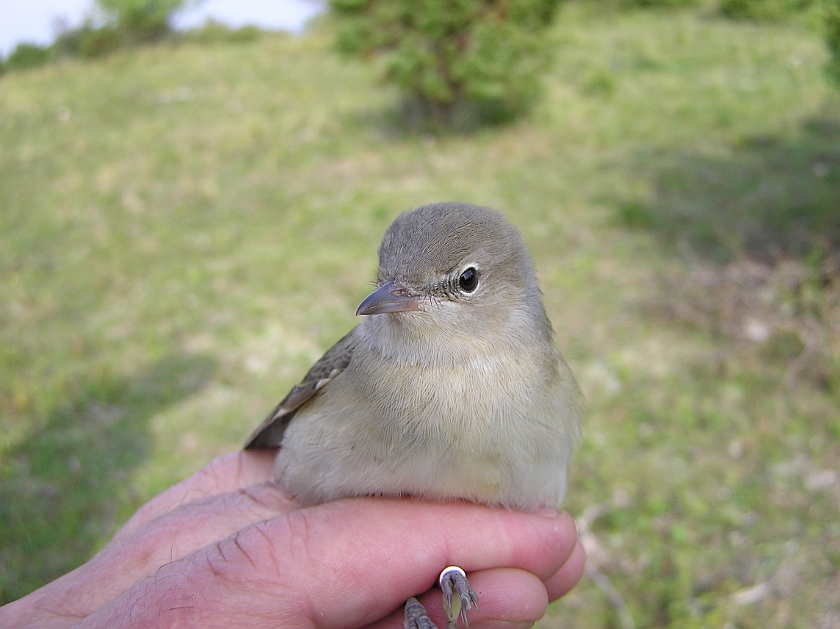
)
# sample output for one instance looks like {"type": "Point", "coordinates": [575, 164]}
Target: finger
{"type": "Point", "coordinates": [343, 564]}
{"type": "Point", "coordinates": [431, 536]}
{"type": "Point", "coordinates": [229, 472]}
{"type": "Point", "coordinates": [172, 536]}
{"type": "Point", "coordinates": [508, 598]}
{"type": "Point", "coordinates": [568, 576]}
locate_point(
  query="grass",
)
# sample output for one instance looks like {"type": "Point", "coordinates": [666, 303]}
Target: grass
{"type": "Point", "coordinates": [186, 228]}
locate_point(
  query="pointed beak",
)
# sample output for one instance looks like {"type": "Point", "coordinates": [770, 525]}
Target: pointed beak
{"type": "Point", "coordinates": [389, 297]}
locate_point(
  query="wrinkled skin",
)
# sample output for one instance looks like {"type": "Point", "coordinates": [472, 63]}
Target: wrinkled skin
{"type": "Point", "coordinates": [227, 548]}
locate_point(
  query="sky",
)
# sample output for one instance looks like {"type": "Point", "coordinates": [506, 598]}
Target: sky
{"type": "Point", "coordinates": [35, 20]}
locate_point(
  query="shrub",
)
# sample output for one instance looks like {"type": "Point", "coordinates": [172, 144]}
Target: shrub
{"type": "Point", "coordinates": [98, 42]}
{"type": "Point", "coordinates": [762, 10]}
{"type": "Point", "coordinates": [213, 32]}
{"type": "Point", "coordinates": [26, 55]}
{"type": "Point", "coordinates": [455, 60]}
{"type": "Point", "coordinates": [88, 41]}
{"type": "Point", "coordinates": [141, 20]}
{"type": "Point", "coordinates": [832, 23]}
{"type": "Point", "coordinates": [604, 7]}
{"type": "Point", "coordinates": [660, 3]}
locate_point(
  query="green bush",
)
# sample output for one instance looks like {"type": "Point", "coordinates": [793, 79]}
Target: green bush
{"type": "Point", "coordinates": [832, 23]}
{"type": "Point", "coordinates": [763, 10]}
{"type": "Point", "coordinates": [213, 32]}
{"type": "Point", "coordinates": [98, 42]}
{"type": "Point", "coordinates": [142, 20]}
{"type": "Point", "coordinates": [88, 41]}
{"type": "Point", "coordinates": [129, 22]}
{"type": "Point", "coordinates": [660, 3]}
{"type": "Point", "coordinates": [457, 61]}
{"type": "Point", "coordinates": [603, 7]}
{"type": "Point", "coordinates": [26, 55]}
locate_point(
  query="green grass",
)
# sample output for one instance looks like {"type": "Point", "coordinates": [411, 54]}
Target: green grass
{"type": "Point", "coordinates": [185, 229]}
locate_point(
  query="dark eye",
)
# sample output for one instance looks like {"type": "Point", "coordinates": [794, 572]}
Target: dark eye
{"type": "Point", "coordinates": [468, 280]}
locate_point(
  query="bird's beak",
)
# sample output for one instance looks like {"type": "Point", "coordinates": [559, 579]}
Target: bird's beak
{"type": "Point", "coordinates": [389, 297]}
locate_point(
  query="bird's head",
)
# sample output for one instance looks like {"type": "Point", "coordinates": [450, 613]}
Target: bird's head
{"type": "Point", "coordinates": [455, 273]}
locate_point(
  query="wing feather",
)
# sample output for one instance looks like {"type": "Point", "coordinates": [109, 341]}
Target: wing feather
{"type": "Point", "coordinates": [270, 432]}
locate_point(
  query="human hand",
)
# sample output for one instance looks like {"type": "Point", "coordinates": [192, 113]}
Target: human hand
{"type": "Point", "coordinates": [227, 548]}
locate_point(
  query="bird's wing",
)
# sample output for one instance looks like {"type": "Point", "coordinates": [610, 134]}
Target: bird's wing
{"type": "Point", "coordinates": [270, 432]}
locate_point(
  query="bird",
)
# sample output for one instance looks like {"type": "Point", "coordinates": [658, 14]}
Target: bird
{"type": "Point", "coordinates": [450, 388]}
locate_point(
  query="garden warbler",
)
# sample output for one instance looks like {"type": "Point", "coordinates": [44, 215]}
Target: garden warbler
{"type": "Point", "coordinates": [449, 388]}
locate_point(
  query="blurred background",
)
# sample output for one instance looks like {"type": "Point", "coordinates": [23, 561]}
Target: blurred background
{"type": "Point", "coordinates": [190, 211]}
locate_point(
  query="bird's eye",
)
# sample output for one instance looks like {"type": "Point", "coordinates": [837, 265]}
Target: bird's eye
{"type": "Point", "coordinates": [468, 280]}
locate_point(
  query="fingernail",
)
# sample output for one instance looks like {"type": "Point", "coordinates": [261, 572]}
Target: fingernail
{"type": "Point", "coordinates": [546, 512]}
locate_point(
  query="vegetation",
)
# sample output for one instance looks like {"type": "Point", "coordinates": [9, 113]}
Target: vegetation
{"type": "Point", "coordinates": [764, 9]}
{"type": "Point", "coordinates": [27, 55]}
{"type": "Point", "coordinates": [141, 20]}
{"type": "Point", "coordinates": [186, 228]}
{"type": "Point", "coordinates": [127, 23]}
{"type": "Point", "coordinates": [91, 42]}
{"type": "Point", "coordinates": [657, 3]}
{"type": "Point", "coordinates": [456, 62]}
{"type": "Point", "coordinates": [832, 22]}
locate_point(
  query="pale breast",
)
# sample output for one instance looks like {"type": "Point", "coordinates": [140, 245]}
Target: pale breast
{"type": "Point", "coordinates": [472, 432]}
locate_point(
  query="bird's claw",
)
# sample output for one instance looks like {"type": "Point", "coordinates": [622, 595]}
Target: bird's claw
{"type": "Point", "coordinates": [416, 616]}
{"type": "Point", "coordinates": [453, 580]}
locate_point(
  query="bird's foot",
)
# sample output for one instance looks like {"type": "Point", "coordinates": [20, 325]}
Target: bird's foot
{"type": "Point", "coordinates": [458, 599]}
{"type": "Point", "coordinates": [416, 616]}
{"type": "Point", "coordinates": [453, 581]}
